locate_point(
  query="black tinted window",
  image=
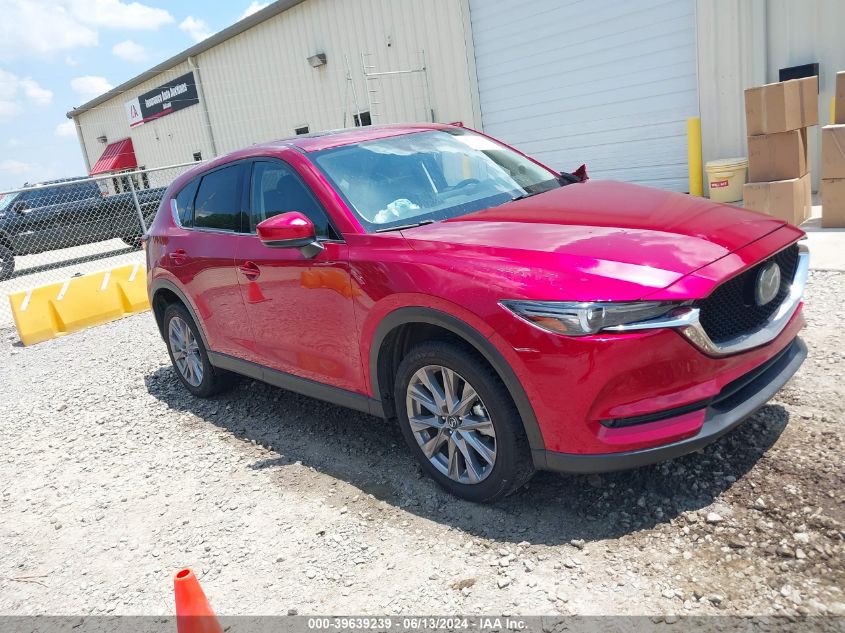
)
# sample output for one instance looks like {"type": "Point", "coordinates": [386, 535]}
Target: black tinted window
{"type": "Point", "coordinates": [83, 191]}
{"type": "Point", "coordinates": [43, 198]}
{"type": "Point", "coordinates": [218, 201]}
{"type": "Point", "coordinates": [276, 189]}
{"type": "Point", "coordinates": [185, 203]}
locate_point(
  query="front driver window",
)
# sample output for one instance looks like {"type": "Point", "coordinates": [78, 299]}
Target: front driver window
{"type": "Point", "coordinates": [277, 189]}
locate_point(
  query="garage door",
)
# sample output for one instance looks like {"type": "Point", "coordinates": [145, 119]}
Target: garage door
{"type": "Point", "coordinates": [609, 84]}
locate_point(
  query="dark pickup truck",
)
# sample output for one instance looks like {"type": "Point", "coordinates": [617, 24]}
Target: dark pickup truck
{"type": "Point", "coordinates": [54, 215]}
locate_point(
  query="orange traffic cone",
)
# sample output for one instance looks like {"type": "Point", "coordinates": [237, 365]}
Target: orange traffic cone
{"type": "Point", "coordinates": [193, 613]}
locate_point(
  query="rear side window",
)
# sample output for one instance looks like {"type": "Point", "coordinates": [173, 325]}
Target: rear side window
{"type": "Point", "coordinates": [42, 198]}
{"type": "Point", "coordinates": [83, 191]}
{"type": "Point", "coordinates": [218, 201]}
{"type": "Point", "coordinates": [185, 203]}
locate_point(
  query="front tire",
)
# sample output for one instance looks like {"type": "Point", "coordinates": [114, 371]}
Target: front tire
{"type": "Point", "coordinates": [460, 422]}
{"type": "Point", "coordinates": [189, 356]}
{"type": "Point", "coordinates": [7, 263]}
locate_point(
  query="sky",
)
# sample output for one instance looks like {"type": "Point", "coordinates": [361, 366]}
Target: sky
{"type": "Point", "coordinates": [58, 54]}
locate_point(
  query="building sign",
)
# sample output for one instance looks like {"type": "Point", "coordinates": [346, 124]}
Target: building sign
{"type": "Point", "coordinates": [175, 95]}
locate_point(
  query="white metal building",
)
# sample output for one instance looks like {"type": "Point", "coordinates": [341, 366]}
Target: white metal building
{"type": "Point", "coordinates": [608, 83]}
{"type": "Point", "coordinates": [254, 81]}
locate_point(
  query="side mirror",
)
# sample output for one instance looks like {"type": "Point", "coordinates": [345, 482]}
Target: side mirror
{"type": "Point", "coordinates": [290, 230]}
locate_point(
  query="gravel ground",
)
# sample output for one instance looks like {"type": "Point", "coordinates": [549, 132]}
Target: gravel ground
{"type": "Point", "coordinates": [112, 478]}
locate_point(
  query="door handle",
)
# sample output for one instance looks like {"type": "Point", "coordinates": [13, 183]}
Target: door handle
{"type": "Point", "coordinates": [179, 256]}
{"type": "Point", "coordinates": [250, 270]}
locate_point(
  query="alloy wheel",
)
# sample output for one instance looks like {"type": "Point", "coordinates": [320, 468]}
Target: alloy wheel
{"type": "Point", "coordinates": [186, 352]}
{"type": "Point", "coordinates": [451, 424]}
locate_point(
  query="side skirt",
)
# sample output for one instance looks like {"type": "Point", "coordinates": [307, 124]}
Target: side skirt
{"type": "Point", "coordinates": [310, 388]}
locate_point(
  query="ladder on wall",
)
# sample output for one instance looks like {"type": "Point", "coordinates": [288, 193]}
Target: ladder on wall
{"type": "Point", "coordinates": [373, 85]}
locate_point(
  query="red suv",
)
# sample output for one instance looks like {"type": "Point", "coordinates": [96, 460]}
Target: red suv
{"type": "Point", "coordinates": [509, 317]}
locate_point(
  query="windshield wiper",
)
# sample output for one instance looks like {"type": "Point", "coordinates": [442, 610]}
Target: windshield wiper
{"type": "Point", "coordinates": [525, 195]}
{"type": "Point", "coordinates": [404, 226]}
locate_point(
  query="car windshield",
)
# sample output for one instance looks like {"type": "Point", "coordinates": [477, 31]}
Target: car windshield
{"type": "Point", "coordinates": [6, 200]}
{"type": "Point", "coordinates": [428, 176]}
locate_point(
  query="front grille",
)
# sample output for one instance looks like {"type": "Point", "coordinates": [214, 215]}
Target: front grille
{"type": "Point", "coordinates": [731, 310]}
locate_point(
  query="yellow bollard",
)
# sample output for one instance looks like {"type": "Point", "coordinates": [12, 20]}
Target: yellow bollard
{"type": "Point", "coordinates": [696, 184]}
{"type": "Point", "coordinates": [833, 110]}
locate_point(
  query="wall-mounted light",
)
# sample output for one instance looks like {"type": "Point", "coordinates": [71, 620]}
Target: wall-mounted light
{"type": "Point", "coordinates": [103, 139]}
{"type": "Point", "coordinates": [317, 60]}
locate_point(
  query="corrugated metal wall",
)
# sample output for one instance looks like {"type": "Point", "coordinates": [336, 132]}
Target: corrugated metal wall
{"type": "Point", "coordinates": [166, 141]}
{"type": "Point", "coordinates": [743, 43]}
{"type": "Point", "coordinates": [731, 57]}
{"type": "Point", "coordinates": [804, 32]}
{"type": "Point", "coordinates": [259, 86]}
{"type": "Point", "coordinates": [270, 58]}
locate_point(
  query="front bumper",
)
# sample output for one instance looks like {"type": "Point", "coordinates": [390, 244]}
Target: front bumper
{"type": "Point", "coordinates": [735, 402]}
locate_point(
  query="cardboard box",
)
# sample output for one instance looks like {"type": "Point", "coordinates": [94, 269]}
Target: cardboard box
{"type": "Point", "coordinates": [780, 156]}
{"type": "Point", "coordinates": [839, 113]}
{"type": "Point", "coordinates": [809, 100]}
{"type": "Point", "coordinates": [782, 106]}
{"type": "Point", "coordinates": [833, 151]}
{"type": "Point", "coordinates": [833, 203]}
{"type": "Point", "coordinates": [785, 199]}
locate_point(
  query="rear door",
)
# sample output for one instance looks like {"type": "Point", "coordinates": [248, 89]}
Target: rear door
{"type": "Point", "coordinates": [39, 225]}
{"type": "Point", "coordinates": [201, 255]}
{"type": "Point", "coordinates": [82, 215]}
{"type": "Point", "coordinates": [300, 308]}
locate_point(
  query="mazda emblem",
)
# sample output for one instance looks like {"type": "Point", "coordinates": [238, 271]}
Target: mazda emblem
{"type": "Point", "coordinates": [768, 284]}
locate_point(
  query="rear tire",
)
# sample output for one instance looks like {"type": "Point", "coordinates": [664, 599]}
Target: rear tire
{"type": "Point", "coordinates": [189, 356]}
{"type": "Point", "coordinates": [7, 263]}
{"type": "Point", "coordinates": [476, 446]}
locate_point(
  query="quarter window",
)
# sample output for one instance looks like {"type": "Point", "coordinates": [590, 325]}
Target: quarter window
{"type": "Point", "coordinates": [277, 189]}
{"type": "Point", "coordinates": [185, 203]}
{"type": "Point", "coordinates": [218, 200]}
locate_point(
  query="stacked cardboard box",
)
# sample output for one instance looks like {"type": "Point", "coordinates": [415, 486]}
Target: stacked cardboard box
{"type": "Point", "coordinates": [777, 116]}
{"type": "Point", "coordinates": [833, 162]}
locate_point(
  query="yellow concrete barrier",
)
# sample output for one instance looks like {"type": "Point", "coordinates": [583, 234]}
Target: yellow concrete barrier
{"type": "Point", "coordinates": [50, 311]}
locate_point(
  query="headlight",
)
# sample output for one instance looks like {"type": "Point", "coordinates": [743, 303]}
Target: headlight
{"type": "Point", "coordinates": [582, 319]}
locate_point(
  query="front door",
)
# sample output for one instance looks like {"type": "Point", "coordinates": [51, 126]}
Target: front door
{"type": "Point", "coordinates": [201, 255]}
{"type": "Point", "coordinates": [46, 220]}
{"type": "Point", "coordinates": [300, 309]}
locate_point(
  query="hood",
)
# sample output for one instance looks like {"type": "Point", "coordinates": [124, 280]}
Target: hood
{"type": "Point", "coordinates": [636, 236]}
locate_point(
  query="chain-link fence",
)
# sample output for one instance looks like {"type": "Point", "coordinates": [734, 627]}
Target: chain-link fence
{"type": "Point", "coordinates": [55, 230]}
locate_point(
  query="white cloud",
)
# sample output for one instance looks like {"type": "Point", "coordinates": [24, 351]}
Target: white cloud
{"type": "Point", "coordinates": [90, 86]}
{"type": "Point", "coordinates": [14, 142]}
{"type": "Point", "coordinates": [254, 7]}
{"type": "Point", "coordinates": [13, 173]}
{"type": "Point", "coordinates": [71, 61]}
{"type": "Point", "coordinates": [15, 167]}
{"type": "Point", "coordinates": [120, 15]}
{"type": "Point", "coordinates": [196, 28]}
{"type": "Point", "coordinates": [40, 27]}
{"type": "Point", "coordinates": [35, 93]}
{"type": "Point", "coordinates": [45, 27]}
{"type": "Point", "coordinates": [66, 129]}
{"type": "Point", "coordinates": [16, 92]}
{"type": "Point", "coordinates": [9, 109]}
{"type": "Point", "coordinates": [129, 51]}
